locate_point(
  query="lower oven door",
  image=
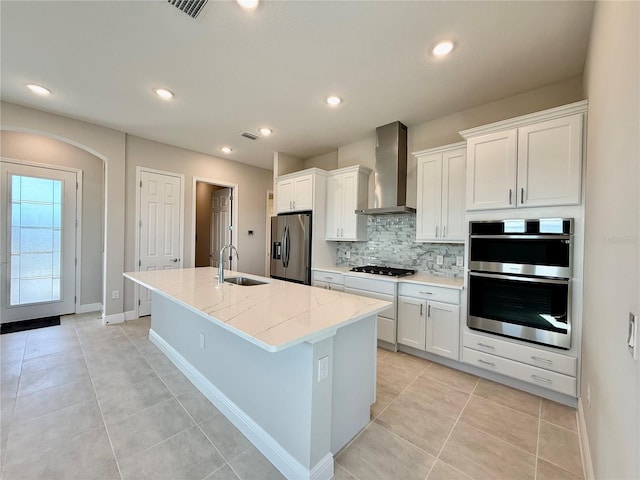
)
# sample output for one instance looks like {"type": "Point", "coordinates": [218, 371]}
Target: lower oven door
{"type": "Point", "coordinates": [527, 308]}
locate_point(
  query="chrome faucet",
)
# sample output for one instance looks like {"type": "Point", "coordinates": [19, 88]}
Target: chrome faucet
{"type": "Point", "coordinates": [221, 261]}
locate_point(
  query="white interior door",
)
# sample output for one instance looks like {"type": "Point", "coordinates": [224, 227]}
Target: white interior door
{"type": "Point", "coordinates": [37, 241]}
{"type": "Point", "coordinates": [160, 214]}
{"type": "Point", "coordinates": [220, 222]}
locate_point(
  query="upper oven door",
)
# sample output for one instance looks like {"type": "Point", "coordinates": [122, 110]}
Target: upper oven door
{"type": "Point", "coordinates": [538, 255]}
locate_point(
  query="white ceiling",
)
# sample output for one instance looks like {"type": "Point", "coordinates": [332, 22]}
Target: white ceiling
{"type": "Point", "coordinates": [234, 71]}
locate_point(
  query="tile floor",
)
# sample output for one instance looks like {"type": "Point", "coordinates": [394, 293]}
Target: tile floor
{"type": "Point", "coordinates": [84, 401]}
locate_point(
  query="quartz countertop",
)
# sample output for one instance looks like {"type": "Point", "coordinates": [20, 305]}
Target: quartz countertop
{"type": "Point", "coordinates": [419, 278]}
{"type": "Point", "coordinates": [274, 316]}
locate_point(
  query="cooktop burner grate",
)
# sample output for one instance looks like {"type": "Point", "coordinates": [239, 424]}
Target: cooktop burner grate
{"type": "Point", "coordinates": [388, 271]}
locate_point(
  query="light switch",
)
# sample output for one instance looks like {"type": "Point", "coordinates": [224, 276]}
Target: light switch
{"type": "Point", "coordinates": [439, 259]}
{"type": "Point", "coordinates": [202, 340]}
{"type": "Point", "coordinates": [459, 261]}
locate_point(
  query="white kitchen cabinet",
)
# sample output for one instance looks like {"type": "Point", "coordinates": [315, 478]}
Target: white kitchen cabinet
{"type": "Point", "coordinates": [328, 280]}
{"type": "Point", "coordinates": [529, 161]}
{"type": "Point", "coordinates": [429, 319]}
{"type": "Point", "coordinates": [294, 193]}
{"type": "Point", "coordinates": [440, 194]}
{"type": "Point", "coordinates": [347, 190]}
{"type": "Point", "coordinates": [381, 289]}
{"type": "Point", "coordinates": [412, 322]}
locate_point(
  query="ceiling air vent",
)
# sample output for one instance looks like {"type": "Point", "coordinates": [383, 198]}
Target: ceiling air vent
{"type": "Point", "coordinates": [190, 7]}
{"type": "Point", "coordinates": [250, 136]}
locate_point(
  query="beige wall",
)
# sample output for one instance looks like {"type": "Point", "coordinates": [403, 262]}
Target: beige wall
{"type": "Point", "coordinates": [122, 154]}
{"type": "Point", "coordinates": [612, 249]}
{"type": "Point", "coordinates": [250, 199]}
{"type": "Point", "coordinates": [328, 161]}
{"type": "Point", "coordinates": [39, 149]}
{"type": "Point", "coordinates": [444, 130]}
{"type": "Point", "coordinates": [106, 144]}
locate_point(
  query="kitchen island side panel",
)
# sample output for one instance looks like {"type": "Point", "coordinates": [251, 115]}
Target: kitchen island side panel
{"type": "Point", "coordinates": [278, 391]}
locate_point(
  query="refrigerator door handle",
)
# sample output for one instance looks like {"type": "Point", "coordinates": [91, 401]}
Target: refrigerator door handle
{"type": "Point", "coordinates": [285, 242]}
{"type": "Point", "coordinates": [287, 248]}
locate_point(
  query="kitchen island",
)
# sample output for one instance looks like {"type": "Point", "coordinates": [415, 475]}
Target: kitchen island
{"type": "Point", "coordinates": [292, 366]}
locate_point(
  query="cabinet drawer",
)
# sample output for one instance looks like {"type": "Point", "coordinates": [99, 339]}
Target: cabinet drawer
{"type": "Point", "coordinates": [330, 277]}
{"type": "Point", "coordinates": [387, 312]}
{"type": "Point", "coordinates": [427, 292]}
{"type": "Point", "coordinates": [527, 373]}
{"type": "Point", "coordinates": [521, 353]}
{"type": "Point", "coordinates": [370, 284]}
{"type": "Point", "coordinates": [386, 329]}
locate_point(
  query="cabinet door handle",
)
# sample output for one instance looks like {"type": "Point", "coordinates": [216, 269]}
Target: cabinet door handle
{"type": "Point", "coordinates": [543, 360]}
{"type": "Point", "coordinates": [420, 309]}
{"type": "Point", "coordinates": [510, 192]}
{"type": "Point", "coordinates": [337, 232]}
{"type": "Point", "coordinates": [294, 204]}
{"type": "Point", "coordinates": [342, 232]}
{"type": "Point", "coordinates": [444, 231]}
{"type": "Point", "coordinates": [541, 379]}
{"type": "Point", "coordinates": [426, 293]}
{"type": "Point", "coordinates": [486, 363]}
{"type": "Point", "coordinates": [486, 346]}
{"type": "Point", "coordinates": [436, 232]}
{"type": "Point", "coordinates": [429, 311]}
{"type": "Point", "coordinates": [522, 195]}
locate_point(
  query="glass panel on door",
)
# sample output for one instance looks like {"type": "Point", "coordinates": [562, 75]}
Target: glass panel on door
{"type": "Point", "coordinates": [36, 225]}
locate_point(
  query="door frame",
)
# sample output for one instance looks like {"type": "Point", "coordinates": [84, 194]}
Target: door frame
{"type": "Point", "coordinates": [268, 214]}
{"type": "Point", "coordinates": [234, 207]}
{"type": "Point", "coordinates": [139, 170]}
{"type": "Point", "coordinates": [78, 249]}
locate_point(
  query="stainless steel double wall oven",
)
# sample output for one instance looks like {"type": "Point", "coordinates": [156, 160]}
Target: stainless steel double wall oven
{"type": "Point", "coordinates": [520, 279]}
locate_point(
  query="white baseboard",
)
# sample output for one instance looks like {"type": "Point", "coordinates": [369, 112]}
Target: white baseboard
{"type": "Point", "coordinates": [263, 441]}
{"type": "Point", "coordinates": [585, 451]}
{"type": "Point", "coordinates": [111, 319]}
{"type": "Point", "coordinates": [130, 315]}
{"type": "Point", "coordinates": [89, 307]}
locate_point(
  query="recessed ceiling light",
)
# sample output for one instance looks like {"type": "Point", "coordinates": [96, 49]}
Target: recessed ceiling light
{"type": "Point", "coordinates": [443, 48]}
{"type": "Point", "coordinates": [164, 93]}
{"type": "Point", "coordinates": [334, 100]}
{"type": "Point", "coordinates": [248, 4]}
{"type": "Point", "coordinates": [39, 90]}
{"type": "Point", "coordinates": [226, 149]}
{"type": "Point", "coordinates": [265, 131]}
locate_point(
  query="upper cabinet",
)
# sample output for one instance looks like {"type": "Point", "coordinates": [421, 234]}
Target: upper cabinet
{"type": "Point", "coordinates": [529, 161]}
{"type": "Point", "coordinates": [347, 191]}
{"type": "Point", "coordinates": [294, 192]}
{"type": "Point", "coordinates": [440, 194]}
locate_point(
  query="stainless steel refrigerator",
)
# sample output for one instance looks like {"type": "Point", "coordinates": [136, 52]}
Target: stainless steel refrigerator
{"type": "Point", "coordinates": [291, 247]}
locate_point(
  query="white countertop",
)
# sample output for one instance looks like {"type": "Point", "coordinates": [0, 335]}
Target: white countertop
{"type": "Point", "coordinates": [418, 278]}
{"type": "Point", "coordinates": [274, 316]}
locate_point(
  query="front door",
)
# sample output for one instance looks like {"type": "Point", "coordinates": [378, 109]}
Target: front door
{"type": "Point", "coordinates": [37, 241]}
{"type": "Point", "coordinates": [160, 214]}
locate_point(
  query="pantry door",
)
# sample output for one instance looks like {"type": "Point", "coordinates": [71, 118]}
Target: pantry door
{"type": "Point", "coordinates": [38, 222]}
{"type": "Point", "coordinates": [160, 220]}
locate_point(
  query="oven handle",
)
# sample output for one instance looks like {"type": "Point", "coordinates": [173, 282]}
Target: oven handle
{"type": "Point", "coordinates": [524, 236]}
{"type": "Point", "coordinates": [516, 278]}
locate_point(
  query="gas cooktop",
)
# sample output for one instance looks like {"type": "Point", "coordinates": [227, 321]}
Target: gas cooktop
{"type": "Point", "coordinates": [388, 271]}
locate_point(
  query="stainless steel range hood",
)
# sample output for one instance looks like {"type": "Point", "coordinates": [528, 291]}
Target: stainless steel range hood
{"type": "Point", "coordinates": [390, 195]}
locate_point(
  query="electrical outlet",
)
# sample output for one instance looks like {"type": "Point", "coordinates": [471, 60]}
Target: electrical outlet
{"type": "Point", "coordinates": [588, 394]}
{"type": "Point", "coordinates": [632, 340]}
{"type": "Point", "coordinates": [115, 294]}
{"type": "Point", "coordinates": [439, 259]}
{"type": "Point", "coordinates": [459, 261]}
{"type": "Point", "coordinates": [202, 340]}
{"type": "Point", "coordinates": [323, 368]}
{"type": "Point", "coordinates": [348, 254]}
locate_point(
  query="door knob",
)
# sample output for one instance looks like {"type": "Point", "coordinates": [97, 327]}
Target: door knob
{"type": "Point", "coordinates": [174, 260]}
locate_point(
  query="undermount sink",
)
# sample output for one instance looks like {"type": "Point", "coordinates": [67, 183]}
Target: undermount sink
{"type": "Point", "coordinates": [247, 282]}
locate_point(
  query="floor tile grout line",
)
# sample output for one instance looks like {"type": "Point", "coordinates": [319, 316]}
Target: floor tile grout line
{"type": "Point", "coordinates": [535, 467]}
{"type": "Point", "coordinates": [104, 423]}
{"type": "Point", "coordinates": [457, 420]}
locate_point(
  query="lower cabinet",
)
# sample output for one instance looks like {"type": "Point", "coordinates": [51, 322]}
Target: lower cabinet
{"type": "Point", "coordinates": [327, 280]}
{"type": "Point", "coordinates": [429, 325]}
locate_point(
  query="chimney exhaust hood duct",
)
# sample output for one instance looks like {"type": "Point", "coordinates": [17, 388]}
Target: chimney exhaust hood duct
{"type": "Point", "coordinates": [390, 195]}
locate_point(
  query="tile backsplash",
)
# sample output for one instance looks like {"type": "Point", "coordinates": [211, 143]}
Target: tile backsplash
{"type": "Point", "coordinates": [392, 242]}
